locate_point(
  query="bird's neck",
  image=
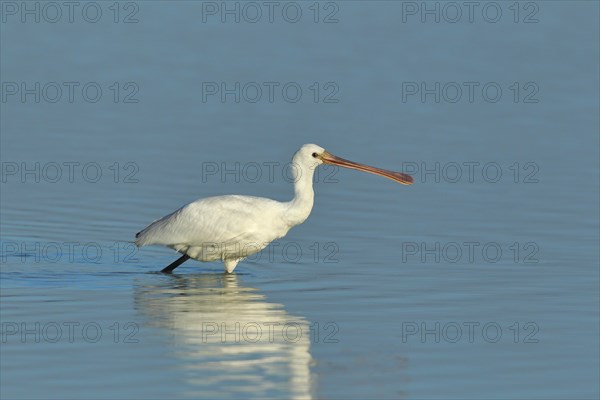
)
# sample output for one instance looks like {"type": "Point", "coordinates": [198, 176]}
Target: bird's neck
{"type": "Point", "coordinates": [301, 205]}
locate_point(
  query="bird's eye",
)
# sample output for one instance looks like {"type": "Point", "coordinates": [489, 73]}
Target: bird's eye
{"type": "Point", "coordinates": [314, 155]}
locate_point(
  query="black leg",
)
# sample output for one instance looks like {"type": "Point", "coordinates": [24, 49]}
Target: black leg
{"type": "Point", "coordinates": [169, 268]}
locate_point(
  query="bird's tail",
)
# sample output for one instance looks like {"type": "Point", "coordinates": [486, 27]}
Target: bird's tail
{"type": "Point", "coordinates": [140, 238]}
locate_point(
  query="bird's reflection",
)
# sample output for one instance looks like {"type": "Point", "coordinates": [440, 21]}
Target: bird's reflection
{"type": "Point", "coordinates": [231, 341]}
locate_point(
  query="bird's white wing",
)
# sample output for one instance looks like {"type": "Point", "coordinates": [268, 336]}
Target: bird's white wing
{"type": "Point", "coordinates": [221, 220]}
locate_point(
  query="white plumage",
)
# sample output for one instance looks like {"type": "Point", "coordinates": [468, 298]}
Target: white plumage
{"type": "Point", "coordinates": [231, 228]}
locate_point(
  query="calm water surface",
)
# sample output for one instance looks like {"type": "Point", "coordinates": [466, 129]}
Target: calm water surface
{"type": "Point", "coordinates": [460, 286]}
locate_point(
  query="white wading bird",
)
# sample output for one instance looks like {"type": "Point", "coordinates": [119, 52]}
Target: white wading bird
{"type": "Point", "coordinates": [231, 228]}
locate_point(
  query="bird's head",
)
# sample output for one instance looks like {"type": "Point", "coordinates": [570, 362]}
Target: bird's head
{"type": "Point", "coordinates": [311, 156]}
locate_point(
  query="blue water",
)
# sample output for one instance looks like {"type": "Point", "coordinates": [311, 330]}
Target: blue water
{"type": "Point", "coordinates": [481, 280]}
